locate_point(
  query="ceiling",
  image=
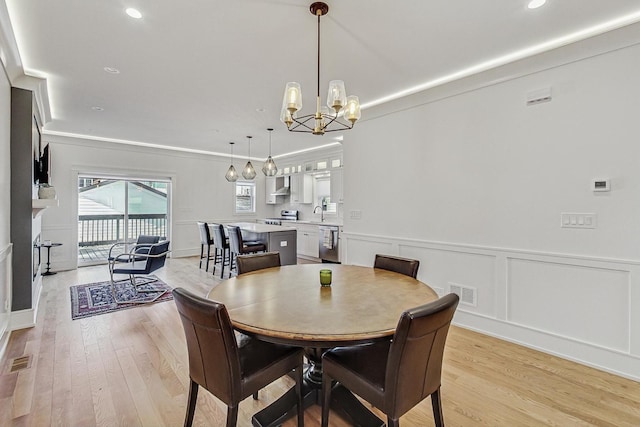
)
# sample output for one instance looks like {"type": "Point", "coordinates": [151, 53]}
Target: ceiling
{"type": "Point", "coordinates": [201, 73]}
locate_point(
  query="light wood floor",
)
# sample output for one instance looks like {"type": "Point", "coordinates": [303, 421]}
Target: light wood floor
{"type": "Point", "coordinates": [130, 368]}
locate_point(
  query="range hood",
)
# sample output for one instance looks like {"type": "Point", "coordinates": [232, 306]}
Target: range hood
{"type": "Point", "coordinates": [282, 185]}
{"type": "Point", "coordinates": [282, 191]}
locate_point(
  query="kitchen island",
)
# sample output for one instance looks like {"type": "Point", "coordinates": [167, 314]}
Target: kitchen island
{"type": "Point", "coordinates": [276, 238]}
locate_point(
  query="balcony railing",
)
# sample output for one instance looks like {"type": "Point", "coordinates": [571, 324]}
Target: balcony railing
{"type": "Point", "coordinates": [94, 230]}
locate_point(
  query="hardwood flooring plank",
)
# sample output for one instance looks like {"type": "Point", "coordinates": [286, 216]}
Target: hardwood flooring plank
{"type": "Point", "coordinates": [143, 398]}
{"type": "Point", "coordinates": [130, 368]}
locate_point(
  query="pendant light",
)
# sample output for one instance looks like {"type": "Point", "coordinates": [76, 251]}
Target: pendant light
{"type": "Point", "coordinates": [231, 175]}
{"type": "Point", "coordinates": [249, 172]}
{"type": "Point", "coordinates": [269, 168]}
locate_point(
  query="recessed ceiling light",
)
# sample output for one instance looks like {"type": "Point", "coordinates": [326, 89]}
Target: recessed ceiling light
{"type": "Point", "coordinates": [97, 108]}
{"type": "Point", "coordinates": [534, 4]}
{"type": "Point", "coordinates": [112, 70]}
{"type": "Point", "coordinates": [260, 110]}
{"type": "Point", "coordinates": [134, 13]}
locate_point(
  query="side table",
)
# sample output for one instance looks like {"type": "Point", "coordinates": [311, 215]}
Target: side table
{"type": "Point", "coordinates": [49, 245]}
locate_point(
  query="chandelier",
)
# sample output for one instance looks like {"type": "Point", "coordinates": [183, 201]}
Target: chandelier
{"type": "Point", "coordinates": [324, 120]}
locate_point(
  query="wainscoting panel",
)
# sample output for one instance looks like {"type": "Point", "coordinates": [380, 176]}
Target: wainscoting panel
{"type": "Point", "coordinates": [363, 252]}
{"type": "Point", "coordinates": [585, 309]}
{"type": "Point", "coordinates": [63, 257]}
{"type": "Point", "coordinates": [583, 302]}
{"type": "Point", "coordinates": [442, 269]}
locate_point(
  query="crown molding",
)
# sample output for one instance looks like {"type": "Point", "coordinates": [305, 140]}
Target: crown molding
{"type": "Point", "coordinates": [13, 67]}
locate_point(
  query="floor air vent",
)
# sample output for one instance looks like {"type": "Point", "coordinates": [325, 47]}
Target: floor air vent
{"type": "Point", "coordinates": [20, 363]}
{"type": "Point", "coordinates": [467, 294]}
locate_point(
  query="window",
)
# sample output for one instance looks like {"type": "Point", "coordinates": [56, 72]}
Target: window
{"type": "Point", "coordinates": [245, 197]}
{"type": "Point", "coordinates": [322, 191]}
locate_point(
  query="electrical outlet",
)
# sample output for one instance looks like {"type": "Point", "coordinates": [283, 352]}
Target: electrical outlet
{"type": "Point", "coordinates": [355, 214]}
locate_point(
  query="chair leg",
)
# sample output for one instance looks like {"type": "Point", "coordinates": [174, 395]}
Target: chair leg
{"type": "Point", "coordinates": [191, 405]}
{"type": "Point", "coordinates": [299, 394]}
{"type": "Point", "coordinates": [232, 415]}
{"type": "Point", "coordinates": [215, 259]}
{"type": "Point", "coordinates": [201, 254]}
{"type": "Point", "coordinates": [326, 399]}
{"type": "Point", "coordinates": [208, 257]}
{"type": "Point", "coordinates": [222, 264]}
{"type": "Point", "coordinates": [436, 403]}
{"type": "Point", "coordinates": [255, 396]}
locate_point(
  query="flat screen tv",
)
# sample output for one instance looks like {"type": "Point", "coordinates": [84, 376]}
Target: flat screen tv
{"type": "Point", "coordinates": [45, 162]}
{"type": "Point", "coordinates": [35, 147]}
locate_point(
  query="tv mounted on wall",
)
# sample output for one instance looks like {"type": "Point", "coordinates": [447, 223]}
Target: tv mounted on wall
{"type": "Point", "coordinates": [35, 147]}
{"type": "Point", "coordinates": [45, 162]}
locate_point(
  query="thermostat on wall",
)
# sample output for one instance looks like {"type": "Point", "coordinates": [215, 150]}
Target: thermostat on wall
{"type": "Point", "coordinates": [601, 185]}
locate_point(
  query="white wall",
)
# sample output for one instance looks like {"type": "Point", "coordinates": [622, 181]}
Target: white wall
{"type": "Point", "coordinates": [5, 207]}
{"type": "Point", "coordinates": [483, 179]}
{"type": "Point", "coordinates": [200, 191]}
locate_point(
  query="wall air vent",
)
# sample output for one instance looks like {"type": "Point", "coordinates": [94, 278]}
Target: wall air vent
{"type": "Point", "coordinates": [539, 96]}
{"type": "Point", "coordinates": [467, 294]}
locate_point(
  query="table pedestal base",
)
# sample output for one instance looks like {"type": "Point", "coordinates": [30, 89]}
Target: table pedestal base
{"type": "Point", "coordinates": [342, 400]}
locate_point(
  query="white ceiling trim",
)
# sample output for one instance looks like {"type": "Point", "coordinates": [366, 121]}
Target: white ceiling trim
{"type": "Point", "coordinates": [530, 51]}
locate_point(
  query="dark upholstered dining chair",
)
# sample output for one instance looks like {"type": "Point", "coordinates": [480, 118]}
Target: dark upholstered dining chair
{"type": "Point", "coordinates": [253, 262]}
{"type": "Point", "coordinates": [238, 246]}
{"type": "Point", "coordinates": [206, 241]}
{"type": "Point", "coordinates": [230, 370]}
{"type": "Point", "coordinates": [406, 266]}
{"type": "Point", "coordinates": [221, 246]}
{"type": "Point", "coordinates": [395, 375]}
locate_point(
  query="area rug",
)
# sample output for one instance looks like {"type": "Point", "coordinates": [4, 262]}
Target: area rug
{"type": "Point", "coordinates": [97, 298]}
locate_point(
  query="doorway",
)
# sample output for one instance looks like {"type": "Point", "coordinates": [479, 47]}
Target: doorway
{"type": "Point", "coordinates": [114, 210]}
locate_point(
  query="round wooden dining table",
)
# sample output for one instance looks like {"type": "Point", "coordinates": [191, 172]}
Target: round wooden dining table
{"type": "Point", "coordinates": [288, 305]}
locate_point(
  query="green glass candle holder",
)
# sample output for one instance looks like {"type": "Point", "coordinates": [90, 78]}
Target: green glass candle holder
{"type": "Point", "coordinates": [325, 277]}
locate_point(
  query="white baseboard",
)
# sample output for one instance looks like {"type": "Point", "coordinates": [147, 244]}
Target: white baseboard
{"type": "Point", "coordinates": [22, 319]}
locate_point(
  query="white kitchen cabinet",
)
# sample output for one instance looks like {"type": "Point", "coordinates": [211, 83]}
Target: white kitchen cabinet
{"type": "Point", "coordinates": [301, 187]}
{"type": "Point", "coordinates": [269, 189]}
{"type": "Point", "coordinates": [308, 240]}
{"type": "Point", "coordinates": [336, 186]}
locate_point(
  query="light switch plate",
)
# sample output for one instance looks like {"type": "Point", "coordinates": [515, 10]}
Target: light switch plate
{"type": "Point", "coordinates": [578, 220]}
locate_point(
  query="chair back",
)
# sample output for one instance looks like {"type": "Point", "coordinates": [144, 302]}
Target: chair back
{"type": "Point", "coordinates": [219, 239]}
{"type": "Point", "coordinates": [414, 366]}
{"type": "Point", "coordinates": [214, 361]}
{"type": "Point", "coordinates": [253, 262]}
{"type": "Point", "coordinates": [156, 262]}
{"type": "Point", "coordinates": [143, 243]}
{"type": "Point", "coordinates": [205, 236]}
{"type": "Point", "coordinates": [144, 239]}
{"type": "Point", "coordinates": [406, 266]}
{"type": "Point", "coordinates": [235, 239]}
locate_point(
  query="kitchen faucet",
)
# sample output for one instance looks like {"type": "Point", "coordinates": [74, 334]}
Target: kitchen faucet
{"type": "Point", "coordinates": [321, 212]}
